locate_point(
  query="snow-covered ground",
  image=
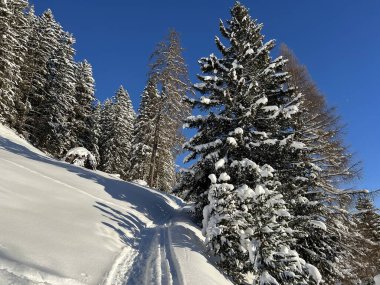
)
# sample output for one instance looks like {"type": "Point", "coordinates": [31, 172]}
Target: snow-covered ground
{"type": "Point", "coordinates": [62, 224]}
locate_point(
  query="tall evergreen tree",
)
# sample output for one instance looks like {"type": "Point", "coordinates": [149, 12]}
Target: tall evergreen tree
{"type": "Point", "coordinates": [252, 112]}
{"type": "Point", "coordinates": [143, 133]}
{"type": "Point", "coordinates": [55, 114]}
{"type": "Point", "coordinates": [368, 222]}
{"type": "Point", "coordinates": [105, 122]}
{"type": "Point", "coordinates": [319, 128]}
{"type": "Point", "coordinates": [22, 104]}
{"type": "Point", "coordinates": [43, 42]}
{"type": "Point", "coordinates": [84, 124]}
{"type": "Point", "coordinates": [96, 129]}
{"type": "Point", "coordinates": [118, 119]}
{"type": "Point", "coordinates": [22, 19]}
{"type": "Point", "coordinates": [13, 35]}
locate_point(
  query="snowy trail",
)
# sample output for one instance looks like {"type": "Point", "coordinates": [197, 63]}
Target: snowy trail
{"type": "Point", "coordinates": [154, 263]}
{"type": "Point", "coordinates": [169, 254]}
{"type": "Point", "coordinates": [62, 224]}
{"type": "Point", "coordinates": [162, 267]}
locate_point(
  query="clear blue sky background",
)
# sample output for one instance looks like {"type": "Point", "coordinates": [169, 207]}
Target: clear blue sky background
{"type": "Point", "coordinates": [339, 42]}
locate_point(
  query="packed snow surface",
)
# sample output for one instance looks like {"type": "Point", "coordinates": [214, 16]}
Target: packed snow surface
{"type": "Point", "coordinates": [62, 224]}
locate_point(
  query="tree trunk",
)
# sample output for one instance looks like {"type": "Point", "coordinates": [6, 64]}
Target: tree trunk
{"type": "Point", "coordinates": [152, 165]}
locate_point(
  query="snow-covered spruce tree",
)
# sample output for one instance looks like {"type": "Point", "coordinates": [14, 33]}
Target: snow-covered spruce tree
{"type": "Point", "coordinates": [248, 127]}
{"type": "Point", "coordinates": [21, 103]}
{"type": "Point", "coordinates": [143, 133]}
{"type": "Point", "coordinates": [105, 135]}
{"type": "Point", "coordinates": [13, 35]}
{"type": "Point", "coordinates": [43, 42]}
{"type": "Point", "coordinates": [84, 124]}
{"type": "Point", "coordinates": [55, 114]}
{"type": "Point", "coordinates": [96, 129]}
{"type": "Point", "coordinates": [166, 108]}
{"type": "Point", "coordinates": [332, 247]}
{"type": "Point", "coordinates": [368, 222]}
{"type": "Point", "coordinates": [21, 21]}
{"type": "Point", "coordinates": [117, 124]}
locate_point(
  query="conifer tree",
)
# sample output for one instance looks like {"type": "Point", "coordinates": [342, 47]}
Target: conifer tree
{"type": "Point", "coordinates": [43, 42]}
{"type": "Point", "coordinates": [13, 35]}
{"type": "Point", "coordinates": [163, 108]}
{"type": "Point", "coordinates": [21, 103]}
{"type": "Point", "coordinates": [84, 124]}
{"type": "Point", "coordinates": [56, 111]}
{"type": "Point", "coordinates": [96, 128]}
{"type": "Point", "coordinates": [118, 118]}
{"type": "Point", "coordinates": [236, 181]}
{"type": "Point", "coordinates": [106, 121]}
{"type": "Point", "coordinates": [321, 121]}
{"type": "Point", "coordinates": [368, 222]}
{"type": "Point", "coordinates": [21, 23]}
{"type": "Point", "coordinates": [143, 133]}
{"type": "Point", "coordinates": [169, 72]}
{"type": "Point", "coordinates": [331, 246]}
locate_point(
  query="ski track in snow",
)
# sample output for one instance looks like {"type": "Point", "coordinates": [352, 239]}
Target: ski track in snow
{"type": "Point", "coordinates": [121, 267]}
{"type": "Point", "coordinates": [154, 263]}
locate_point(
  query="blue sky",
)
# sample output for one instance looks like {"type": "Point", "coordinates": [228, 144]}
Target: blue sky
{"type": "Point", "coordinates": [339, 42]}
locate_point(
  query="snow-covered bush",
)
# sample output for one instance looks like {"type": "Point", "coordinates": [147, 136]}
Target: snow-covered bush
{"type": "Point", "coordinates": [377, 279]}
{"type": "Point", "coordinates": [140, 182]}
{"type": "Point", "coordinates": [80, 156]}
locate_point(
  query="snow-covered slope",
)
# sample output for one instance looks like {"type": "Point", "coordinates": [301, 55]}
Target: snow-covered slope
{"type": "Point", "coordinates": [62, 224]}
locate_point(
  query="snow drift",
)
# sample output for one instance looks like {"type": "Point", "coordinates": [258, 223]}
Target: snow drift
{"type": "Point", "coordinates": [63, 224]}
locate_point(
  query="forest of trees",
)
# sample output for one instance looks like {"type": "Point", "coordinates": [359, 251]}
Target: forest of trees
{"type": "Point", "coordinates": [268, 156]}
{"type": "Point", "coordinates": [50, 99]}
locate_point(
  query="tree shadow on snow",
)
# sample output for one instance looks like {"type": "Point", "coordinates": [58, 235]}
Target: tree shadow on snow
{"type": "Point", "coordinates": [184, 237]}
{"type": "Point", "coordinates": [128, 225]}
